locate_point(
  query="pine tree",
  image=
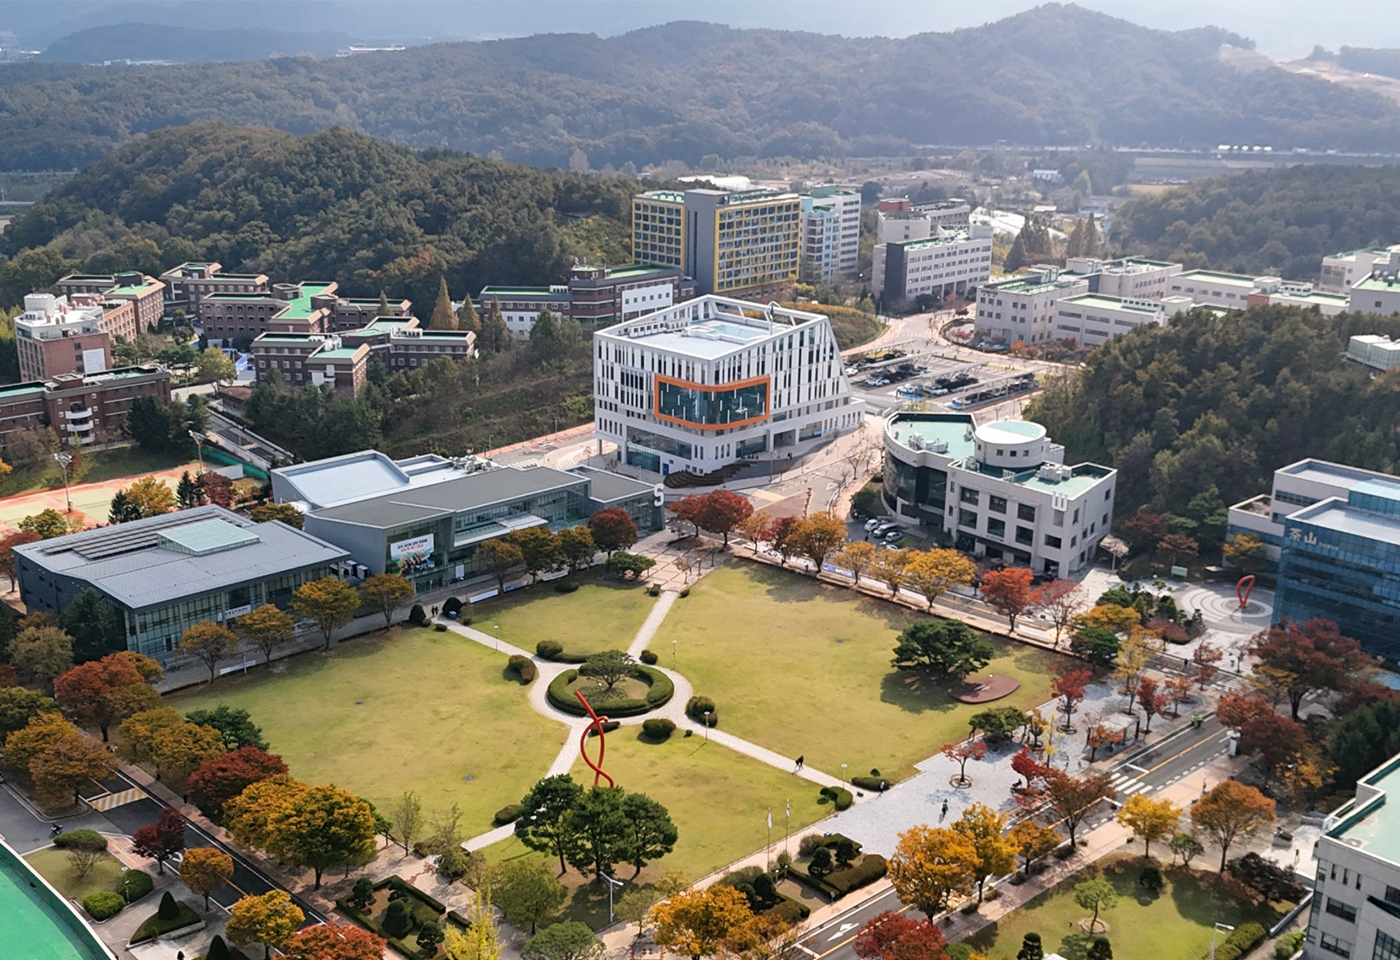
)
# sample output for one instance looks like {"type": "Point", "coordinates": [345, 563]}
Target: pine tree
{"type": "Point", "coordinates": [384, 309]}
{"type": "Point", "coordinates": [467, 318]}
{"type": "Point", "coordinates": [1076, 241]}
{"type": "Point", "coordinates": [122, 509]}
{"type": "Point", "coordinates": [1016, 256]}
{"type": "Point", "coordinates": [1093, 243]}
{"type": "Point", "coordinates": [443, 318]}
{"type": "Point", "coordinates": [187, 492]}
{"type": "Point", "coordinates": [495, 336]}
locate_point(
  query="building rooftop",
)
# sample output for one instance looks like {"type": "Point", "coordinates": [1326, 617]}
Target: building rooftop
{"type": "Point", "coordinates": [673, 196]}
{"type": "Point", "coordinates": [1324, 471]}
{"type": "Point", "coordinates": [1339, 516]}
{"type": "Point", "coordinates": [607, 486]}
{"type": "Point", "coordinates": [711, 326]}
{"type": "Point", "coordinates": [300, 307]}
{"type": "Point", "coordinates": [953, 431]}
{"type": "Point", "coordinates": [1010, 431]}
{"type": "Point", "coordinates": [957, 236]}
{"type": "Point", "coordinates": [545, 292]}
{"type": "Point", "coordinates": [465, 492]}
{"type": "Point", "coordinates": [1032, 283]}
{"type": "Point", "coordinates": [1378, 282]}
{"type": "Point", "coordinates": [338, 353]}
{"type": "Point", "coordinates": [1233, 279]}
{"type": "Point", "coordinates": [163, 559]}
{"type": "Point", "coordinates": [133, 290]}
{"type": "Point", "coordinates": [1373, 825]}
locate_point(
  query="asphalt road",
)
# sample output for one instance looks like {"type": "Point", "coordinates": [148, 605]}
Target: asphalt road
{"type": "Point", "coordinates": [1139, 770]}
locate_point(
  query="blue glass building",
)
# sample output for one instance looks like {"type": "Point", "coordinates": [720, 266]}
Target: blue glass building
{"type": "Point", "coordinates": [1340, 561]}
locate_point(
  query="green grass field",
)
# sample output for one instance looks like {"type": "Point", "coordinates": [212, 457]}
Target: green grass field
{"type": "Point", "coordinates": [804, 669]}
{"type": "Point", "coordinates": [97, 466]}
{"type": "Point", "coordinates": [52, 864]}
{"type": "Point", "coordinates": [598, 616]}
{"type": "Point", "coordinates": [407, 710]}
{"type": "Point", "coordinates": [1180, 917]}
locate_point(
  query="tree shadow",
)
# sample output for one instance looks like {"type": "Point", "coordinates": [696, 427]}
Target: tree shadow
{"type": "Point", "coordinates": [915, 692]}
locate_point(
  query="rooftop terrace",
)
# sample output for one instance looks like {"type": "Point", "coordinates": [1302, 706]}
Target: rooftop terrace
{"type": "Point", "coordinates": [1373, 825]}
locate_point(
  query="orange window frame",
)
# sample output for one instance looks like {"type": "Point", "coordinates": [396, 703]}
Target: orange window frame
{"type": "Point", "coordinates": [658, 379]}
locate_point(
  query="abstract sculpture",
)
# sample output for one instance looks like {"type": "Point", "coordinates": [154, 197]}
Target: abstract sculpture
{"type": "Point", "coordinates": [597, 725]}
{"type": "Point", "coordinates": [1243, 589]}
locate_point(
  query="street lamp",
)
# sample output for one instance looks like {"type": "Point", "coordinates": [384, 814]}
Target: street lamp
{"type": "Point", "coordinates": [198, 446]}
{"type": "Point", "coordinates": [674, 653]}
{"type": "Point", "coordinates": [707, 726]}
{"type": "Point", "coordinates": [617, 883]}
{"type": "Point", "coordinates": [1216, 932]}
{"type": "Point", "coordinates": [497, 628]}
{"type": "Point", "coordinates": [64, 461]}
{"type": "Point", "coordinates": [843, 773]}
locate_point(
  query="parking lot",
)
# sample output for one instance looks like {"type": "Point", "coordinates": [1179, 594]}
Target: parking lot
{"type": "Point", "coordinates": [891, 376]}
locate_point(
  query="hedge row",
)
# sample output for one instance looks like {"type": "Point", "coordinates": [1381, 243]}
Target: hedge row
{"type": "Point", "coordinates": [1245, 938]}
{"type": "Point", "coordinates": [863, 872]}
{"type": "Point", "coordinates": [80, 840]}
{"type": "Point", "coordinates": [873, 784]}
{"type": "Point", "coordinates": [507, 814]}
{"type": "Point", "coordinates": [424, 900]}
{"type": "Point", "coordinates": [662, 690]}
{"type": "Point", "coordinates": [790, 910]}
{"type": "Point", "coordinates": [554, 650]}
{"type": "Point", "coordinates": [523, 667]}
{"type": "Point", "coordinates": [103, 905]}
{"type": "Point", "coordinates": [839, 796]}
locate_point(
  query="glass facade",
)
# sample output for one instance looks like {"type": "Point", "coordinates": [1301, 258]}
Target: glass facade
{"type": "Point", "coordinates": [923, 487]}
{"type": "Point", "coordinates": [156, 632]}
{"type": "Point", "coordinates": [706, 407]}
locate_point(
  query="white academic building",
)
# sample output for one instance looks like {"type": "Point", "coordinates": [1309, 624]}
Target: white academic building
{"type": "Point", "coordinates": [1093, 319]}
{"type": "Point", "coordinates": [1341, 270]}
{"type": "Point", "coordinates": [949, 262]}
{"type": "Point", "coordinates": [830, 233]}
{"type": "Point", "coordinates": [1128, 277]}
{"type": "Point", "coordinates": [703, 384]}
{"type": "Point", "coordinates": [1002, 490]}
{"type": "Point", "coordinates": [1023, 308]}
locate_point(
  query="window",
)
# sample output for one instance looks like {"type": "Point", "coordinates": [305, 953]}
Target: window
{"type": "Point", "coordinates": [1386, 948]}
{"type": "Point", "coordinates": [996, 528]}
{"type": "Point", "coordinates": [1392, 894]}
{"type": "Point", "coordinates": [1025, 512]}
{"type": "Point", "coordinates": [969, 496]}
{"type": "Point", "coordinates": [1337, 908]}
{"type": "Point", "coordinates": [1025, 535]}
{"type": "Point", "coordinates": [1340, 947]}
{"type": "Point", "coordinates": [1053, 542]}
{"type": "Point", "coordinates": [966, 518]}
{"type": "Point", "coordinates": [996, 504]}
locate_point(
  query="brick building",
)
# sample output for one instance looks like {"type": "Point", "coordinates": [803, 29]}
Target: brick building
{"type": "Point", "coordinates": [82, 409]}
{"type": "Point", "coordinates": [190, 284]}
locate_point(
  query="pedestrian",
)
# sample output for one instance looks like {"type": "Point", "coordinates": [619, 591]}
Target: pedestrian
{"type": "Point", "coordinates": [945, 809]}
{"type": "Point", "coordinates": [801, 762]}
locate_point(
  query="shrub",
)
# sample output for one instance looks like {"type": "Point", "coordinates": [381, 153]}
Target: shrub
{"type": "Point", "coordinates": [874, 772]}
{"type": "Point", "coordinates": [958, 951]}
{"type": "Point", "coordinates": [1151, 878]}
{"type": "Point", "coordinates": [821, 862]}
{"type": "Point", "coordinates": [697, 709]}
{"type": "Point", "coordinates": [549, 649]}
{"type": "Point", "coordinates": [608, 727]}
{"type": "Point", "coordinates": [452, 606]}
{"type": "Point", "coordinates": [649, 657]}
{"type": "Point", "coordinates": [466, 621]}
{"type": "Point", "coordinates": [864, 871]}
{"type": "Point", "coordinates": [1245, 938]}
{"type": "Point", "coordinates": [80, 840]}
{"type": "Point", "coordinates": [417, 616]}
{"type": "Point", "coordinates": [791, 911]}
{"type": "Point", "coordinates": [654, 590]}
{"type": "Point", "coordinates": [969, 908]}
{"type": "Point", "coordinates": [103, 905]}
{"type": "Point", "coordinates": [156, 925]}
{"type": "Point", "coordinates": [218, 950]}
{"type": "Point", "coordinates": [440, 627]}
{"type": "Point", "coordinates": [454, 863]}
{"type": "Point", "coordinates": [398, 919]}
{"type": "Point", "coordinates": [565, 586]}
{"type": "Point", "coordinates": [168, 909]}
{"type": "Point", "coordinates": [685, 591]}
{"type": "Point", "coordinates": [507, 814]}
{"type": "Point", "coordinates": [658, 728]}
{"type": "Point", "coordinates": [1288, 944]}
{"type": "Point", "coordinates": [523, 666]}
{"type": "Point", "coordinates": [659, 692]}
{"type": "Point", "coordinates": [134, 885]}
{"type": "Point", "coordinates": [839, 796]}
{"type": "Point", "coordinates": [875, 784]}
{"type": "Point", "coordinates": [809, 844]}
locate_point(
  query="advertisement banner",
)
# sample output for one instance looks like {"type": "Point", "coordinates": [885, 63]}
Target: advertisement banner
{"type": "Point", "coordinates": [417, 546]}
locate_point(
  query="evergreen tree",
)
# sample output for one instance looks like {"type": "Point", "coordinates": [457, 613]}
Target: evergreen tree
{"type": "Point", "coordinates": [187, 492]}
{"type": "Point", "coordinates": [495, 336]}
{"type": "Point", "coordinates": [467, 318]}
{"type": "Point", "coordinates": [384, 309]}
{"type": "Point", "coordinates": [122, 509]}
{"type": "Point", "coordinates": [443, 318]}
{"type": "Point", "coordinates": [1075, 248]}
{"type": "Point", "coordinates": [1093, 242]}
{"type": "Point", "coordinates": [1016, 256]}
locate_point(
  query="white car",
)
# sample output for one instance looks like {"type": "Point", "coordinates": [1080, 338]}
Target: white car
{"type": "Point", "coordinates": [873, 522]}
{"type": "Point", "coordinates": [884, 528]}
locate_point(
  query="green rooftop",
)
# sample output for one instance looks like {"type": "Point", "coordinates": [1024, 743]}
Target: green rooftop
{"type": "Point", "coordinates": [950, 428]}
{"type": "Point", "coordinates": [238, 297]}
{"type": "Point", "coordinates": [520, 292]}
{"type": "Point", "coordinates": [300, 307]}
{"type": "Point", "coordinates": [1377, 283]}
{"type": "Point", "coordinates": [1111, 303]}
{"type": "Point", "coordinates": [674, 196]}
{"type": "Point", "coordinates": [632, 270]}
{"type": "Point", "coordinates": [20, 389]}
{"type": "Point", "coordinates": [1373, 826]}
{"type": "Point", "coordinates": [130, 291]}
{"type": "Point", "coordinates": [338, 353]}
{"type": "Point", "coordinates": [959, 236]}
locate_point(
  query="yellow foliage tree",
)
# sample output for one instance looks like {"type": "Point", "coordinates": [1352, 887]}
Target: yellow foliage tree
{"type": "Point", "coordinates": [152, 496]}
{"type": "Point", "coordinates": [321, 827]}
{"type": "Point", "coordinates": [930, 865]}
{"type": "Point", "coordinates": [817, 537]}
{"type": "Point", "coordinates": [270, 919]}
{"type": "Point", "coordinates": [329, 602]}
{"type": "Point", "coordinates": [935, 572]}
{"type": "Point", "coordinates": [1109, 616]}
{"type": "Point", "coordinates": [994, 853]}
{"type": "Point", "coordinates": [139, 730]}
{"type": "Point", "coordinates": [41, 733]}
{"type": "Point", "coordinates": [1032, 841]}
{"type": "Point", "coordinates": [209, 642]}
{"type": "Point", "coordinates": [205, 869]}
{"type": "Point", "coordinates": [700, 922]}
{"type": "Point", "coordinates": [892, 567]}
{"type": "Point", "coordinates": [857, 557]}
{"type": "Point", "coordinates": [481, 940]}
{"type": "Point", "coordinates": [181, 747]}
{"type": "Point", "coordinates": [249, 815]}
{"type": "Point", "coordinates": [1149, 819]}
{"type": "Point", "coordinates": [386, 592]}
{"type": "Point", "coordinates": [1231, 810]}
{"type": "Point", "coordinates": [65, 766]}
{"type": "Point", "coordinates": [1134, 653]}
{"type": "Point", "coordinates": [267, 628]}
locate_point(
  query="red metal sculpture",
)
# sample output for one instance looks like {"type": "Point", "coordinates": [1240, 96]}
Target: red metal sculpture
{"type": "Point", "coordinates": [597, 725]}
{"type": "Point", "coordinates": [1243, 590]}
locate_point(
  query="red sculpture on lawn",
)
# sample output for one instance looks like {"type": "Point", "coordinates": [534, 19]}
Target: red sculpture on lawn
{"type": "Point", "coordinates": [1243, 589]}
{"type": "Point", "coordinates": [597, 725]}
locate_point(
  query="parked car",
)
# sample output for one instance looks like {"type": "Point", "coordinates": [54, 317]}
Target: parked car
{"type": "Point", "coordinates": [874, 522]}
{"type": "Point", "coordinates": [884, 528]}
{"type": "Point", "coordinates": [893, 536]}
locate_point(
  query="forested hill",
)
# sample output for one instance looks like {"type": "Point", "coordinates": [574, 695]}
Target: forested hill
{"type": "Point", "coordinates": [1279, 222]}
{"type": "Point", "coordinates": [335, 205]}
{"type": "Point", "coordinates": [1196, 415]}
{"type": "Point", "coordinates": [1052, 75]}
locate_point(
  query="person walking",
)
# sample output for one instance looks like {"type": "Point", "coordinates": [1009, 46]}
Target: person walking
{"type": "Point", "coordinates": [800, 762]}
{"type": "Point", "coordinates": [944, 814]}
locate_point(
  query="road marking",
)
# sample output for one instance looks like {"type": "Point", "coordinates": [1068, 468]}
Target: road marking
{"type": "Point", "coordinates": [841, 930]}
{"type": "Point", "coordinates": [1134, 766]}
{"type": "Point", "coordinates": [809, 952]}
{"type": "Point", "coordinates": [829, 952]}
{"type": "Point", "coordinates": [118, 799]}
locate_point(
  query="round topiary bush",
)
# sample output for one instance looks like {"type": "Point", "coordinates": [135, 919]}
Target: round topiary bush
{"type": "Point", "coordinates": [135, 884]}
{"type": "Point", "coordinates": [417, 616]}
{"type": "Point", "coordinates": [440, 627]}
{"type": "Point", "coordinates": [658, 728]}
{"type": "Point", "coordinates": [398, 919]}
{"type": "Point", "coordinates": [565, 586]}
{"type": "Point", "coordinates": [507, 814]}
{"type": "Point", "coordinates": [80, 840]}
{"type": "Point", "coordinates": [103, 905]}
{"type": "Point", "coordinates": [649, 657]}
{"type": "Point", "coordinates": [523, 667]}
{"type": "Point", "coordinates": [452, 606]}
{"type": "Point", "coordinates": [660, 690]}
{"type": "Point", "coordinates": [685, 591]}
{"type": "Point", "coordinates": [549, 649]}
{"type": "Point", "coordinates": [702, 710]}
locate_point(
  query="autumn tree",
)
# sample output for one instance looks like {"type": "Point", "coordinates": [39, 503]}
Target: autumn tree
{"type": "Point", "coordinates": [896, 936]}
{"type": "Point", "coordinates": [269, 919]}
{"type": "Point", "coordinates": [935, 572]}
{"type": "Point", "coordinates": [1070, 683]}
{"type": "Point", "coordinates": [1177, 545]}
{"type": "Point", "coordinates": [250, 815]}
{"type": "Point", "coordinates": [1074, 798]}
{"type": "Point", "coordinates": [386, 592]}
{"type": "Point", "coordinates": [267, 628]}
{"type": "Point", "coordinates": [19, 705]}
{"type": "Point", "coordinates": [1059, 601]}
{"type": "Point", "coordinates": [1277, 741]}
{"type": "Point", "coordinates": [817, 537]}
{"type": "Point", "coordinates": [612, 529]}
{"type": "Point", "coordinates": [526, 891]}
{"type": "Point", "coordinates": [720, 511]}
{"type": "Point", "coordinates": [699, 921]}
{"type": "Point", "coordinates": [1300, 658]}
{"type": "Point", "coordinates": [209, 643]}
{"type": "Point", "coordinates": [1246, 551]}
{"type": "Point", "coordinates": [993, 853]}
{"type": "Point", "coordinates": [892, 568]}
{"type": "Point", "coordinates": [1149, 819]}
{"type": "Point", "coordinates": [84, 691]}
{"type": "Point", "coordinates": [499, 557]}
{"type": "Point", "coordinates": [1008, 591]}
{"type": "Point", "coordinates": [443, 316]}
{"type": "Point", "coordinates": [333, 941]}
{"type": "Point", "coordinates": [321, 827]}
{"type": "Point", "coordinates": [64, 767]}
{"type": "Point", "coordinates": [1229, 811]}
{"type": "Point", "coordinates": [1135, 652]}
{"type": "Point", "coordinates": [161, 840]}
{"type": "Point", "coordinates": [7, 552]}
{"type": "Point", "coordinates": [539, 549]}
{"type": "Point", "coordinates": [1107, 616]}
{"type": "Point", "coordinates": [1032, 841]}
{"type": "Point", "coordinates": [204, 870]}
{"type": "Point", "coordinates": [1238, 709]}
{"type": "Point", "coordinates": [947, 649]}
{"type": "Point", "coordinates": [1153, 700]}
{"type": "Point", "coordinates": [543, 824]}
{"type": "Point", "coordinates": [151, 496]}
{"type": "Point", "coordinates": [856, 557]}
{"type": "Point", "coordinates": [180, 747]}
{"type": "Point", "coordinates": [41, 654]}
{"type": "Point", "coordinates": [285, 512]}
{"type": "Point", "coordinates": [1205, 657]}
{"type": "Point", "coordinates": [219, 779]}
{"type": "Point", "coordinates": [780, 536]}
{"type": "Point", "coordinates": [47, 524]}
{"type": "Point", "coordinates": [41, 733]}
{"type": "Point", "coordinates": [330, 603]}
{"type": "Point", "coordinates": [930, 865]}
{"type": "Point", "coordinates": [139, 730]}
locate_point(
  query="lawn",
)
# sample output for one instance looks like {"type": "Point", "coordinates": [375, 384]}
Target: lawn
{"type": "Point", "coordinates": [96, 466]}
{"type": "Point", "coordinates": [1180, 917]}
{"type": "Point", "coordinates": [407, 710]}
{"type": "Point", "coordinates": [52, 864]}
{"type": "Point", "coordinates": [599, 615]}
{"type": "Point", "coordinates": [719, 800]}
{"type": "Point", "coordinates": [804, 668]}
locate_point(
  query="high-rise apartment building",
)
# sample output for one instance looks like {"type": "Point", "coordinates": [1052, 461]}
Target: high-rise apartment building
{"type": "Point", "coordinates": [830, 233]}
{"type": "Point", "coordinates": [739, 244]}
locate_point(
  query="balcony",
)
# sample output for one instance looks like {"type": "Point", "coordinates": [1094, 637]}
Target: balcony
{"type": "Point", "coordinates": [78, 427]}
{"type": "Point", "coordinates": [83, 414]}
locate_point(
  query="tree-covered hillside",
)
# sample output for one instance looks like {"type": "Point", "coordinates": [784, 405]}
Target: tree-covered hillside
{"type": "Point", "coordinates": [1052, 75]}
{"type": "Point", "coordinates": [1197, 414]}
{"type": "Point", "coordinates": [334, 205]}
{"type": "Point", "coordinates": [1281, 221]}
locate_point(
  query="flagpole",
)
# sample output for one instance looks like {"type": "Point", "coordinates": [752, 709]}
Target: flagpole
{"type": "Point", "coordinates": [768, 850]}
{"type": "Point", "coordinates": [787, 826]}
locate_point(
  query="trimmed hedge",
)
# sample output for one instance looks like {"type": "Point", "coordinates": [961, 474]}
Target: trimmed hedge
{"type": "Point", "coordinates": [608, 727]}
{"type": "Point", "coordinates": [156, 926]}
{"type": "Point", "coordinates": [417, 616]}
{"type": "Point", "coordinates": [507, 814]}
{"type": "Point", "coordinates": [697, 709]}
{"type": "Point", "coordinates": [523, 666]}
{"type": "Point", "coordinates": [420, 909]}
{"type": "Point", "coordinates": [1239, 943]}
{"type": "Point", "coordinates": [103, 905]}
{"type": "Point", "coordinates": [553, 650]}
{"type": "Point", "coordinates": [843, 880]}
{"type": "Point", "coordinates": [790, 910]}
{"type": "Point", "coordinates": [840, 797]}
{"type": "Point", "coordinates": [80, 839]}
{"type": "Point", "coordinates": [135, 884]}
{"type": "Point", "coordinates": [873, 784]}
{"type": "Point", "coordinates": [452, 606]}
{"type": "Point", "coordinates": [565, 586]}
{"type": "Point", "coordinates": [661, 692]}
{"type": "Point", "coordinates": [1288, 944]}
{"type": "Point", "coordinates": [658, 728]}
{"type": "Point", "coordinates": [649, 657]}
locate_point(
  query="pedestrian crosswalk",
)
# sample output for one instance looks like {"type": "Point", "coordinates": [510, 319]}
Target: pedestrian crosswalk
{"type": "Point", "coordinates": [1127, 786]}
{"type": "Point", "coordinates": [109, 801]}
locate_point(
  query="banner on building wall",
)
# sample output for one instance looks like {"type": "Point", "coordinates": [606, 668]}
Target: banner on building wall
{"type": "Point", "coordinates": [94, 361]}
{"type": "Point", "coordinates": [410, 556]}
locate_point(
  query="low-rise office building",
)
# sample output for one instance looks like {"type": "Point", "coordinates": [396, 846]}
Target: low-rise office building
{"type": "Point", "coordinates": [1341, 270]}
{"type": "Point", "coordinates": [166, 573]}
{"type": "Point", "coordinates": [1295, 486]}
{"type": "Point", "coordinates": [1378, 293]}
{"type": "Point", "coordinates": [145, 294]}
{"type": "Point", "coordinates": [1000, 490]}
{"type": "Point", "coordinates": [1294, 293]}
{"type": "Point", "coordinates": [1355, 911]}
{"type": "Point", "coordinates": [1340, 561]}
{"type": "Point", "coordinates": [521, 306]}
{"type": "Point", "coordinates": [426, 517]}
{"type": "Point", "coordinates": [1023, 308]}
{"type": "Point", "coordinates": [594, 296]}
{"type": "Point", "coordinates": [949, 263]}
{"type": "Point", "coordinates": [319, 359]}
{"type": "Point", "coordinates": [240, 318]}
{"type": "Point", "coordinates": [55, 335]}
{"type": "Point", "coordinates": [1093, 319]}
{"type": "Point", "coordinates": [1376, 351]}
{"type": "Point", "coordinates": [187, 285]}
{"type": "Point", "coordinates": [703, 384]}
{"type": "Point", "coordinates": [1230, 290]}
{"type": "Point", "coordinates": [1130, 278]}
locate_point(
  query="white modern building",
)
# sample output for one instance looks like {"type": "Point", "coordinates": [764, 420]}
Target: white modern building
{"type": "Point", "coordinates": [712, 381]}
{"type": "Point", "coordinates": [1341, 270]}
{"type": "Point", "coordinates": [898, 219]}
{"type": "Point", "coordinates": [1214, 289]}
{"type": "Point", "coordinates": [1355, 913]}
{"type": "Point", "coordinates": [1376, 351]}
{"type": "Point", "coordinates": [1379, 292]}
{"type": "Point", "coordinates": [1296, 486]}
{"type": "Point", "coordinates": [1296, 293]}
{"type": "Point", "coordinates": [1002, 490]}
{"type": "Point", "coordinates": [1093, 319]}
{"type": "Point", "coordinates": [1023, 308]}
{"type": "Point", "coordinates": [949, 262]}
{"type": "Point", "coordinates": [1129, 277]}
{"type": "Point", "coordinates": [830, 232]}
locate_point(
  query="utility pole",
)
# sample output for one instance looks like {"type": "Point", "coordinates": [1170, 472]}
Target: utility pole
{"type": "Point", "coordinates": [64, 460]}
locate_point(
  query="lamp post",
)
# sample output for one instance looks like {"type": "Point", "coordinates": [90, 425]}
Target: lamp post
{"type": "Point", "coordinates": [497, 628]}
{"type": "Point", "coordinates": [707, 726]}
{"type": "Point", "coordinates": [198, 447]}
{"type": "Point", "coordinates": [843, 774]}
{"type": "Point", "coordinates": [1215, 932]}
{"type": "Point", "coordinates": [674, 653]}
{"type": "Point", "coordinates": [617, 883]}
{"type": "Point", "coordinates": [64, 460]}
